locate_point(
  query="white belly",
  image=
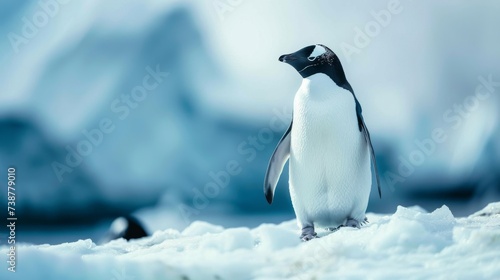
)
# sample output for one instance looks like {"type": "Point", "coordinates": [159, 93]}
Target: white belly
{"type": "Point", "coordinates": [330, 175]}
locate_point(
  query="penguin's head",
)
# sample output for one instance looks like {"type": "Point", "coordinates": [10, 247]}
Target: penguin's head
{"type": "Point", "coordinates": [126, 227]}
{"type": "Point", "coordinates": [314, 59]}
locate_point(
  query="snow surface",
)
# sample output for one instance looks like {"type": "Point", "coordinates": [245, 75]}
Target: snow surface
{"type": "Point", "coordinates": [409, 244]}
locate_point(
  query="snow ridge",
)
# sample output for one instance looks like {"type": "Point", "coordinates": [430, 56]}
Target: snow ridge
{"type": "Point", "coordinates": [411, 243]}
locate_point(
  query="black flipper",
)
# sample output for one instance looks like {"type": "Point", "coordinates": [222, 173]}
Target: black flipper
{"type": "Point", "coordinates": [366, 133]}
{"type": "Point", "coordinates": [276, 164]}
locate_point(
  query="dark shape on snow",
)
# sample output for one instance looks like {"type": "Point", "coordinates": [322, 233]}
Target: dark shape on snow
{"type": "Point", "coordinates": [127, 228]}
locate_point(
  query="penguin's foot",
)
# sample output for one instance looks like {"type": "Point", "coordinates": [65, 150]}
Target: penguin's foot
{"type": "Point", "coordinates": [308, 233]}
{"type": "Point", "coordinates": [349, 223]}
{"type": "Point", "coordinates": [353, 223]}
{"type": "Point", "coordinates": [308, 237]}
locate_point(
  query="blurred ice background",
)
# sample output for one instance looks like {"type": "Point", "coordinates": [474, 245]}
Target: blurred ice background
{"type": "Point", "coordinates": [227, 100]}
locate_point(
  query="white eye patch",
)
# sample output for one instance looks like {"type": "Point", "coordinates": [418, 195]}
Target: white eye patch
{"type": "Point", "coordinates": [318, 50]}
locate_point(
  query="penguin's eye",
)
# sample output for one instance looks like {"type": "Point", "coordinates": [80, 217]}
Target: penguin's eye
{"type": "Point", "coordinates": [311, 58]}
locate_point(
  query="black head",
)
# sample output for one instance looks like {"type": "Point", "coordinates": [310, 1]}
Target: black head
{"type": "Point", "coordinates": [316, 59]}
{"type": "Point", "coordinates": [126, 227]}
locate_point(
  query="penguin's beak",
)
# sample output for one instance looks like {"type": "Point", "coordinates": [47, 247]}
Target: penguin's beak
{"type": "Point", "coordinates": [286, 58]}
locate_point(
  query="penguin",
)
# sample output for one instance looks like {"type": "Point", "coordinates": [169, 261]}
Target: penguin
{"type": "Point", "coordinates": [126, 227]}
{"type": "Point", "coordinates": [328, 147]}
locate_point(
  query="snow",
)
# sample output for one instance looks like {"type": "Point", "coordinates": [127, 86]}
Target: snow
{"type": "Point", "coordinates": [410, 243]}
